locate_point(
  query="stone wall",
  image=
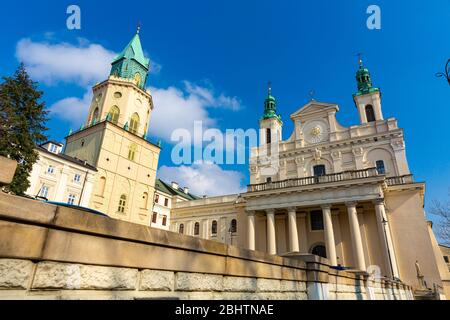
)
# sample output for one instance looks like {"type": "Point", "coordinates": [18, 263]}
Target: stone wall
{"type": "Point", "coordinates": [52, 252]}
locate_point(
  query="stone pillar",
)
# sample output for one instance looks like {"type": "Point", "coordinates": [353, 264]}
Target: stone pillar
{"type": "Point", "coordinates": [302, 230]}
{"type": "Point", "coordinates": [293, 233]}
{"type": "Point", "coordinates": [87, 191]}
{"type": "Point", "coordinates": [271, 241]}
{"type": "Point", "coordinates": [386, 240]}
{"type": "Point", "coordinates": [251, 235]}
{"type": "Point", "coordinates": [355, 234]}
{"type": "Point", "coordinates": [204, 229]}
{"type": "Point", "coordinates": [329, 235]}
{"type": "Point", "coordinates": [61, 187]}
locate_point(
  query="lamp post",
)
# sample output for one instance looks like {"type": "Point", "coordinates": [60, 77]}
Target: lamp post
{"type": "Point", "coordinates": [446, 73]}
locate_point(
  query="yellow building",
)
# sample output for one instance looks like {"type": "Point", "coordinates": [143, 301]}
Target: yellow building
{"type": "Point", "coordinates": [113, 139]}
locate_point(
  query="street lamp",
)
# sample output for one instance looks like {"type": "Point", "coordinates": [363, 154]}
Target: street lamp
{"type": "Point", "coordinates": [445, 74]}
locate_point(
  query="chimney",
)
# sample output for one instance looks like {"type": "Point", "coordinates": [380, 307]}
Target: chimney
{"type": "Point", "coordinates": [175, 185]}
{"type": "Point", "coordinates": [186, 190]}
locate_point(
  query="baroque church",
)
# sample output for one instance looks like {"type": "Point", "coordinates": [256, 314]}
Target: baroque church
{"type": "Point", "coordinates": [343, 193]}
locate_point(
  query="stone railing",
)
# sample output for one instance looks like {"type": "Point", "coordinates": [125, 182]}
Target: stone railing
{"type": "Point", "coordinates": [52, 252]}
{"type": "Point", "coordinates": [394, 181]}
{"type": "Point", "coordinates": [308, 181]}
{"type": "Point", "coordinates": [206, 201]}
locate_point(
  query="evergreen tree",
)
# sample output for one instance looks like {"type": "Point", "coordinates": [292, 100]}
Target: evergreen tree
{"type": "Point", "coordinates": [22, 125]}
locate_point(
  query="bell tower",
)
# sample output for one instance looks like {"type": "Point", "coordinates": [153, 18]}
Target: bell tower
{"type": "Point", "coordinates": [114, 139]}
{"type": "Point", "coordinates": [367, 98]}
{"type": "Point", "coordinates": [270, 125]}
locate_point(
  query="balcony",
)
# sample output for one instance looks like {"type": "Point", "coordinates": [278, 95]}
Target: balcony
{"type": "Point", "coordinates": [329, 178]}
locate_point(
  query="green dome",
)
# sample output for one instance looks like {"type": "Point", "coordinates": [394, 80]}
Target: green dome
{"type": "Point", "coordinates": [270, 107]}
{"type": "Point", "coordinates": [364, 81]}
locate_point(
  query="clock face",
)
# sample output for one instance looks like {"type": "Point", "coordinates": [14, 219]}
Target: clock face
{"type": "Point", "coordinates": [315, 131]}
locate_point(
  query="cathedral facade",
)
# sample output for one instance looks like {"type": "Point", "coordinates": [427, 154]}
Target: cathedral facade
{"type": "Point", "coordinates": [344, 193]}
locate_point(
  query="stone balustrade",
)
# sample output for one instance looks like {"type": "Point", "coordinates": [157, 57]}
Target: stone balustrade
{"type": "Point", "coordinates": [309, 181]}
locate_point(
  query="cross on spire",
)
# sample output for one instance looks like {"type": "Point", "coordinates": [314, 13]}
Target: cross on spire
{"type": "Point", "coordinates": [269, 88]}
{"type": "Point", "coordinates": [360, 61]}
{"type": "Point", "coordinates": [312, 93]}
{"type": "Point", "coordinates": [138, 27]}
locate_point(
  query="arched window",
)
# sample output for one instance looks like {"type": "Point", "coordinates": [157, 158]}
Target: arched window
{"type": "Point", "coordinates": [101, 186]}
{"type": "Point", "coordinates": [197, 229]}
{"type": "Point", "coordinates": [233, 226]}
{"type": "Point", "coordinates": [145, 200]}
{"type": "Point", "coordinates": [181, 229]}
{"type": "Point", "coordinates": [134, 123]}
{"type": "Point", "coordinates": [380, 167]}
{"type": "Point", "coordinates": [122, 204]}
{"type": "Point", "coordinates": [95, 116]}
{"type": "Point", "coordinates": [137, 79]}
{"type": "Point", "coordinates": [319, 250]}
{"type": "Point", "coordinates": [370, 114]}
{"type": "Point", "coordinates": [114, 114]}
{"type": "Point", "coordinates": [214, 227]}
{"type": "Point", "coordinates": [132, 152]}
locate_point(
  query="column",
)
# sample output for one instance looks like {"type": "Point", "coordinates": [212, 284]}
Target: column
{"type": "Point", "coordinates": [303, 233]}
{"type": "Point", "coordinates": [386, 240]}
{"type": "Point", "coordinates": [61, 187]}
{"type": "Point", "coordinates": [251, 240]}
{"type": "Point", "coordinates": [329, 235]}
{"type": "Point", "coordinates": [293, 234]}
{"type": "Point", "coordinates": [85, 197]}
{"type": "Point", "coordinates": [355, 233]}
{"type": "Point", "coordinates": [204, 229]}
{"type": "Point", "coordinates": [271, 242]}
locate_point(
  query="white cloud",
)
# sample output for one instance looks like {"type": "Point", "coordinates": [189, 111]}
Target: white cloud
{"type": "Point", "coordinates": [204, 179]}
{"type": "Point", "coordinates": [83, 64]}
{"type": "Point", "coordinates": [73, 109]}
{"type": "Point", "coordinates": [179, 109]}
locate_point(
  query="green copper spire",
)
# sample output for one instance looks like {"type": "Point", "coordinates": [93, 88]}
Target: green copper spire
{"type": "Point", "coordinates": [364, 80]}
{"type": "Point", "coordinates": [270, 106]}
{"type": "Point", "coordinates": [131, 62]}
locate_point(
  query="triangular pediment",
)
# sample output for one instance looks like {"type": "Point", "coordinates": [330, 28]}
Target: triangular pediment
{"type": "Point", "coordinates": [314, 107]}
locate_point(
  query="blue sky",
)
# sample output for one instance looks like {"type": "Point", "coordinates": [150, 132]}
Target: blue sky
{"type": "Point", "coordinates": [215, 57]}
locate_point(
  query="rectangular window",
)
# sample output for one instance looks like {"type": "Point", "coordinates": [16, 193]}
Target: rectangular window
{"type": "Point", "coordinates": [446, 259]}
{"type": "Point", "coordinates": [319, 171]}
{"type": "Point", "coordinates": [53, 148]}
{"type": "Point", "coordinates": [268, 136]}
{"type": "Point", "coordinates": [166, 202]}
{"type": "Point", "coordinates": [51, 170]}
{"type": "Point", "coordinates": [71, 200]}
{"type": "Point", "coordinates": [77, 178]}
{"type": "Point", "coordinates": [156, 198]}
{"type": "Point", "coordinates": [154, 217]}
{"type": "Point", "coordinates": [164, 221]}
{"type": "Point", "coordinates": [380, 167]}
{"type": "Point", "coordinates": [316, 220]}
{"type": "Point", "coordinates": [44, 192]}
